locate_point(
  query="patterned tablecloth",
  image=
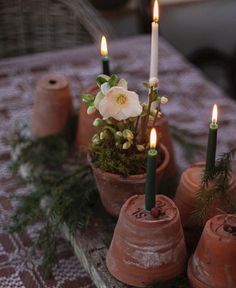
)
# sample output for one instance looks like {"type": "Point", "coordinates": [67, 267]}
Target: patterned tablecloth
{"type": "Point", "coordinates": [191, 98]}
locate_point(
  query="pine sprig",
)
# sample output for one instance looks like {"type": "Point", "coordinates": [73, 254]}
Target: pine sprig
{"type": "Point", "coordinates": [63, 190]}
{"type": "Point", "coordinates": [214, 185]}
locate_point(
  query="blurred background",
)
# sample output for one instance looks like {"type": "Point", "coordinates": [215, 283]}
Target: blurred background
{"type": "Point", "coordinates": [202, 30]}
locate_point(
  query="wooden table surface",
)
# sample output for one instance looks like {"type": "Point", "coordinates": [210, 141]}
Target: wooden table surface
{"type": "Point", "coordinates": [191, 98]}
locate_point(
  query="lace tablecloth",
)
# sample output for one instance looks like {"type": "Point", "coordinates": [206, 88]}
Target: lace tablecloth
{"type": "Point", "coordinates": [191, 98]}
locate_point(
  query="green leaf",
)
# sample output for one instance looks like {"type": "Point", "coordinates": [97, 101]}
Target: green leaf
{"type": "Point", "coordinates": [87, 97]}
{"type": "Point", "coordinates": [146, 85]}
{"type": "Point", "coordinates": [100, 80]}
{"type": "Point", "coordinates": [113, 81]}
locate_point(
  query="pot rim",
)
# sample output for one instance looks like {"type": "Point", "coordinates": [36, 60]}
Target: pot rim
{"type": "Point", "coordinates": [213, 234]}
{"type": "Point", "coordinates": [201, 164]}
{"type": "Point", "coordinates": [151, 222]}
{"type": "Point", "coordinates": [163, 165]}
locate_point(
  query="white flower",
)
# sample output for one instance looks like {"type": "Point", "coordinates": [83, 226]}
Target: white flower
{"type": "Point", "coordinates": [120, 104]}
{"type": "Point", "coordinates": [123, 83]}
{"type": "Point", "coordinates": [105, 88]}
{"type": "Point", "coordinates": [98, 99]}
{"type": "Point", "coordinates": [164, 100]}
{"type": "Point", "coordinates": [153, 82]}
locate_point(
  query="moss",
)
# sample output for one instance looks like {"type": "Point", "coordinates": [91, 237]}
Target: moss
{"type": "Point", "coordinates": [119, 161]}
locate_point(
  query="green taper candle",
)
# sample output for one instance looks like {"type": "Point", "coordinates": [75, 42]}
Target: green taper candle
{"type": "Point", "coordinates": [105, 58]}
{"type": "Point", "coordinates": [212, 141]}
{"type": "Point", "coordinates": [150, 191]}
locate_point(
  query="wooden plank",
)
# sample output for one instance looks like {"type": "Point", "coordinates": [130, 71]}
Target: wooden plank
{"type": "Point", "coordinates": [90, 249]}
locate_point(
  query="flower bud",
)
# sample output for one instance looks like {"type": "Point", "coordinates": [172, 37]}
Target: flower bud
{"type": "Point", "coordinates": [140, 148]}
{"type": "Point", "coordinates": [153, 82]}
{"type": "Point", "coordinates": [96, 139]}
{"type": "Point", "coordinates": [127, 134]}
{"type": "Point", "coordinates": [119, 134]}
{"type": "Point", "coordinates": [97, 122]}
{"type": "Point", "coordinates": [164, 100]}
{"type": "Point", "coordinates": [126, 145]}
{"type": "Point", "coordinates": [91, 109]}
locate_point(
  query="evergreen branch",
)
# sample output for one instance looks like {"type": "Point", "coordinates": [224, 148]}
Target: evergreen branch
{"type": "Point", "coordinates": [214, 185]}
{"type": "Point", "coordinates": [63, 190]}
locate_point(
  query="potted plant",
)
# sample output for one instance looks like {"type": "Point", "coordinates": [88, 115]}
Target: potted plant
{"type": "Point", "coordinates": [118, 152]}
{"type": "Point", "coordinates": [86, 130]}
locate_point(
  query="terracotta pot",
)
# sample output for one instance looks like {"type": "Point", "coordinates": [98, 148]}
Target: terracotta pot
{"type": "Point", "coordinates": [52, 105]}
{"type": "Point", "coordinates": [162, 127]}
{"type": "Point", "coordinates": [114, 189]}
{"type": "Point", "coordinates": [86, 130]}
{"type": "Point", "coordinates": [145, 250]}
{"type": "Point", "coordinates": [213, 264]}
{"type": "Point", "coordinates": [186, 195]}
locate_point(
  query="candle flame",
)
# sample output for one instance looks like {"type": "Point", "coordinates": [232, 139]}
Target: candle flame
{"type": "Point", "coordinates": [153, 138]}
{"type": "Point", "coordinates": [155, 11]}
{"type": "Point", "coordinates": [104, 50]}
{"type": "Point", "coordinates": [214, 114]}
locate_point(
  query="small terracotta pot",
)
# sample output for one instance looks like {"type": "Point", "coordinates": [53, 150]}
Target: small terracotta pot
{"type": "Point", "coordinates": [162, 127]}
{"type": "Point", "coordinates": [145, 250]}
{"type": "Point", "coordinates": [52, 105]}
{"type": "Point", "coordinates": [86, 130]}
{"type": "Point", "coordinates": [186, 195]}
{"type": "Point", "coordinates": [114, 189]}
{"type": "Point", "coordinates": [213, 264]}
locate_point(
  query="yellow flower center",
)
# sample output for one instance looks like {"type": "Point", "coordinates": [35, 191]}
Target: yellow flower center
{"type": "Point", "coordinates": [121, 99]}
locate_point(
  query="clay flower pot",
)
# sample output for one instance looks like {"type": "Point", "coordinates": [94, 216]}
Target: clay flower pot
{"type": "Point", "coordinates": [52, 105]}
{"type": "Point", "coordinates": [86, 130]}
{"type": "Point", "coordinates": [114, 189]}
{"type": "Point", "coordinates": [186, 194]}
{"type": "Point", "coordinates": [213, 264]}
{"type": "Point", "coordinates": [162, 127]}
{"type": "Point", "coordinates": [145, 250]}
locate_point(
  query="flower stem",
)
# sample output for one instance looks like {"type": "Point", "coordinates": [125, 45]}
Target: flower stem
{"type": "Point", "coordinates": [146, 118]}
{"type": "Point", "coordinates": [156, 115]}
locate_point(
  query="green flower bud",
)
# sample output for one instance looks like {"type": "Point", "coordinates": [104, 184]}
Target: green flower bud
{"type": "Point", "coordinates": [97, 122]}
{"type": "Point", "coordinates": [118, 145]}
{"type": "Point", "coordinates": [91, 109]}
{"type": "Point", "coordinates": [96, 139]}
{"type": "Point", "coordinates": [126, 145]}
{"type": "Point", "coordinates": [127, 134]}
{"type": "Point", "coordinates": [140, 148]}
{"type": "Point", "coordinates": [119, 134]}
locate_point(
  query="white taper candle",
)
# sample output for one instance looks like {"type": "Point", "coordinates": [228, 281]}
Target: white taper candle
{"type": "Point", "coordinates": [154, 42]}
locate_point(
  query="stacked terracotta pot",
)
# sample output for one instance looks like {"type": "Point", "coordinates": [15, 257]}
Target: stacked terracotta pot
{"type": "Point", "coordinates": [213, 264]}
{"type": "Point", "coordinates": [186, 196]}
{"type": "Point", "coordinates": [146, 250]}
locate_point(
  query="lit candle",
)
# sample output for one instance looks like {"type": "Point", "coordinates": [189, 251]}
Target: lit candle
{"type": "Point", "coordinates": [212, 141]}
{"type": "Point", "coordinates": [105, 58]}
{"type": "Point", "coordinates": [154, 42]}
{"type": "Point", "coordinates": [150, 191]}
